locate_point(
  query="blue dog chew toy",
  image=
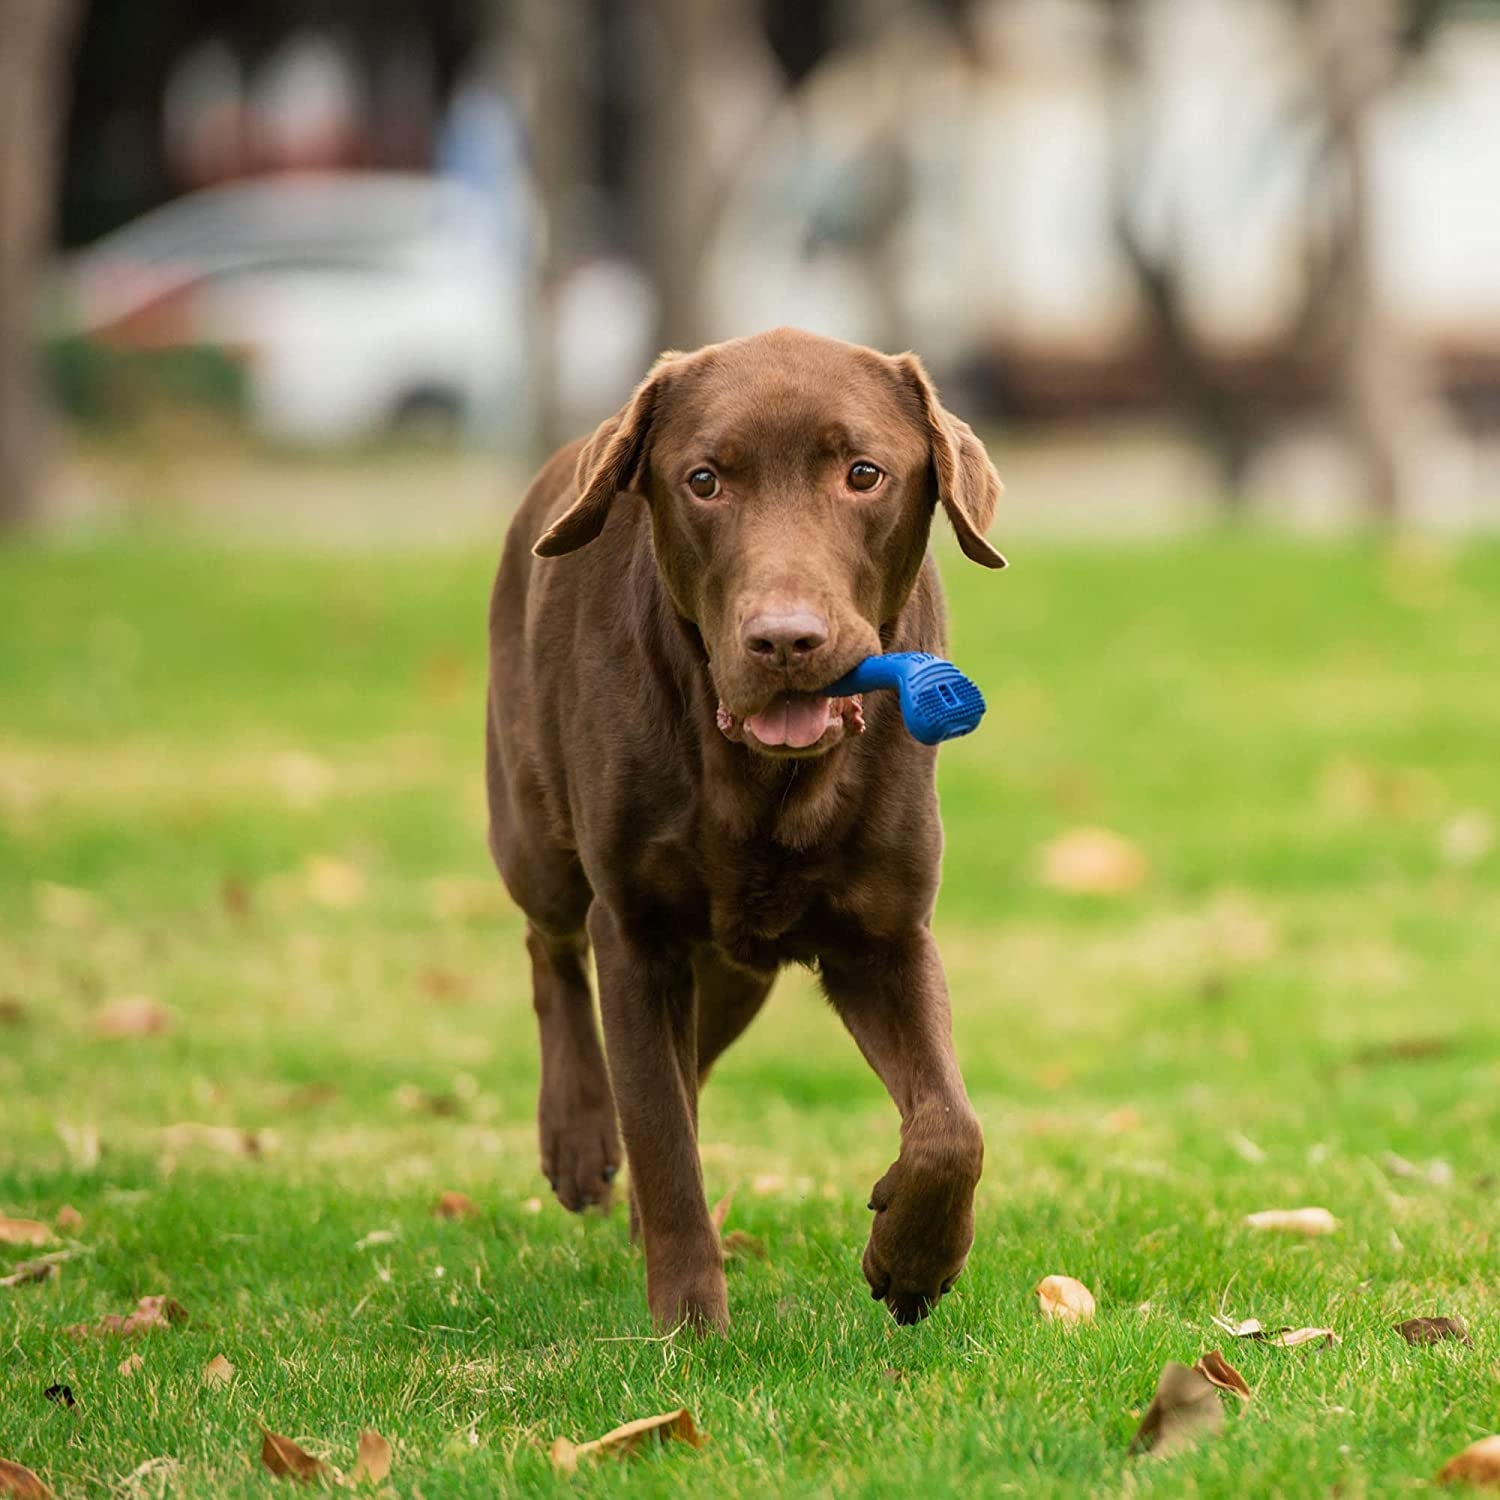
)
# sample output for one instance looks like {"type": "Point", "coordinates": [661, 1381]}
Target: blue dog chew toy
{"type": "Point", "coordinates": [937, 701]}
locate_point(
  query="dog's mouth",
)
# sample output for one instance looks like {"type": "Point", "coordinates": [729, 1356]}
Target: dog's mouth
{"type": "Point", "coordinates": [795, 723]}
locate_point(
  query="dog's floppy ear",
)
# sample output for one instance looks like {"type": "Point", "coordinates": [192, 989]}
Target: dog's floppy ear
{"type": "Point", "coordinates": [967, 484]}
{"type": "Point", "coordinates": [613, 459]}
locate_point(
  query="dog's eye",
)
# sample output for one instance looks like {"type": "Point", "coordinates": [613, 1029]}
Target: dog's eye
{"type": "Point", "coordinates": [704, 483]}
{"type": "Point", "coordinates": [864, 477]}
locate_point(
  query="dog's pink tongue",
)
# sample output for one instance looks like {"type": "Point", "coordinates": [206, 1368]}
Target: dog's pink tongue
{"type": "Point", "coordinates": [798, 722]}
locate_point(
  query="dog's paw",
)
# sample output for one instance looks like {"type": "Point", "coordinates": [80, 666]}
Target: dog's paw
{"type": "Point", "coordinates": [581, 1156]}
{"type": "Point", "coordinates": [699, 1303]}
{"type": "Point", "coordinates": [919, 1242]}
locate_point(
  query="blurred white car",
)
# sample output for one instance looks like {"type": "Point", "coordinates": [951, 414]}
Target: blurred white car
{"type": "Point", "coordinates": [358, 302]}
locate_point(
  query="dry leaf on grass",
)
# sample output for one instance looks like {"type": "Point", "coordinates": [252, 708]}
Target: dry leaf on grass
{"type": "Point", "coordinates": [23, 1232]}
{"type": "Point", "coordinates": [19, 1483]}
{"type": "Point", "coordinates": [150, 1314]}
{"type": "Point", "coordinates": [230, 1140]}
{"type": "Point", "coordinates": [1433, 1331]}
{"type": "Point", "coordinates": [1308, 1221]}
{"type": "Point", "coordinates": [1478, 1464]}
{"type": "Point", "coordinates": [130, 1364]}
{"type": "Point", "coordinates": [287, 1461]}
{"type": "Point", "coordinates": [1092, 862]}
{"type": "Point", "coordinates": [1218, 1371]}
{"type": "Point", "coordinates": [374, 1461]}
{"type": "Point", "coordinates": [1284, 1337]}
{"type": "Point", "coordinates": [444, 985]}
{"type": "Point", "coordinates": [234, 894]}
{"type": "Point", "coordinates": [1186, 1407]}
{"type": "Point", "coordinates": [218, 1373]}
{"type": "Point", "coordinates": [738, 1245]}
{"type": "Point", "coordinates": [1437, 1172]}
{"type": "Point", "coordinates": [130, 1016]}
{"type": "Point", "coordinates": [68, 1220]}
{"type": "Point", "coordinates": [1064, 1300]}
{"type": "Point", "coordinates": [28, 1273]}
{"type": "Point", "coordinates": [455, 1206]}
{"type": "Point", "coordinates": [628, 1439]}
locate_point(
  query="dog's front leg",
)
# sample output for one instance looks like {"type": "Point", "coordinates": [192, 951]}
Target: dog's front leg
{"type": "Point", "coordinates": [894, 1000]}
{"type": "Point", "coordinates": [650, 1037]}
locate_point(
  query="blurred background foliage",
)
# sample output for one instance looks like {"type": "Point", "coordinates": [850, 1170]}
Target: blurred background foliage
{"type": "Point", "coordinates": [1242, 251]}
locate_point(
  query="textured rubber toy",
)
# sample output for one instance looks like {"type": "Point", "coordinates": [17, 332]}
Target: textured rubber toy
{"type": "Point", "coordinates": [937, 701]}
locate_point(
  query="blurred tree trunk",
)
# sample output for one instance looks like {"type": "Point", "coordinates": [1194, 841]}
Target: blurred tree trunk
{"type": "Point", "coordinates": [1219, 417]}
{"type": "Point", "coordinates": [557, 100]}
{"type": "Point", "coordinates": [1377, 381]}
{"type": "Point", "coordinates": [706, 86]}
{"type": "Point", "coordinates": [35, 43]}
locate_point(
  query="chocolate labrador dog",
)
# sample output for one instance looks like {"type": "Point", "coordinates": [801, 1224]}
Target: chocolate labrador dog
{"type": "Point", "coordinates": [668, 786]}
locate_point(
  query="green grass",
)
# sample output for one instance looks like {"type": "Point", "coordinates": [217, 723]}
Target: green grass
{"type": "Point", "coordinates": [1286, 733]}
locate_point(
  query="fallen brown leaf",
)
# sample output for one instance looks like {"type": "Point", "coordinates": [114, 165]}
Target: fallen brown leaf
{"type": "Point", "coordinates": [132, 1016]}
{"type": "Point", "coordinates": [1285, 1337]}
{"type": "Point", "coordinates": [68, 1220]}
{"type": "Point", "coordinates": [1479, 1463]}
{"type": "Point", "coordinates": [1186, 1407]}
{"type": "Point", "coordinates": [23, 1232]}
{"type": "Point", "coordinates": [1308, 1221]}
{"type": "Point", "coordinates": [1405, 1049]}
{"type": "Point", "coordinates": [419, 1101]}
{"type": "Point", "coordinates": [1218, 1371]}
{"type": "Point", "coordinates": [311, 1095]}
{"type": "Point", "coordinates": [741, 1246]}
{"type": "Point", "coordinates": [150, 1314]}
{"type": "Point", "coordinates": [1433, 1331]}
{"type": "Point", "coordinates": [28, 1272]}
{"type": "Point", "coordinates": [623, 1441]}
{"type": "Point", "coordinates": [218, 1373]}
{"type": "Point", "coordinates": [1093, 862]}
{"type": "Point", "coordinates": [130, 1364]}
{"type": "Point", "coordinates": [19, 1483]}
{"type": "Point", "coordinates": [1437, 1172]}
{"type": "Point", "coordinates": [374, 1462]}
{"type": "Point", "coordinates": [1292, 1338]}
{"type": "Point", "coordinates": [234, 892]}
{"type": "Point", "coordinates": [1064, 1300]}
{"type": "Point", "coordinates": [231, 1140]}
{"type": "Point", "coordinates": [455, 1206]}
{"type": "Point", "coordinates": [444, 985]}
{"type": "Point", "coordinates": [287, 1461]}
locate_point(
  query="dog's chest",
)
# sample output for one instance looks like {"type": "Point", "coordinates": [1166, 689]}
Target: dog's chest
{"type": "Point", "coordinates": [769, 905]}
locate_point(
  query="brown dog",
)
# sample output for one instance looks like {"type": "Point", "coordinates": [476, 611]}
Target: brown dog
{"type": "Point", "coordinates": [666, 784]}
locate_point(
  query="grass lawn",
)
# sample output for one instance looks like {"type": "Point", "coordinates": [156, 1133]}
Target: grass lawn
{"type": "Point", "coordinates": [248, 786]}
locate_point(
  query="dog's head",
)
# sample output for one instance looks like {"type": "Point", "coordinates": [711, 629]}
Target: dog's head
{"type": "Point", "coordinates": [791, 481]}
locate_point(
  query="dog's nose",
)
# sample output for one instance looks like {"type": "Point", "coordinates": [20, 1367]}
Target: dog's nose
{"type": "Point", "coordinates": [784, 638]}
